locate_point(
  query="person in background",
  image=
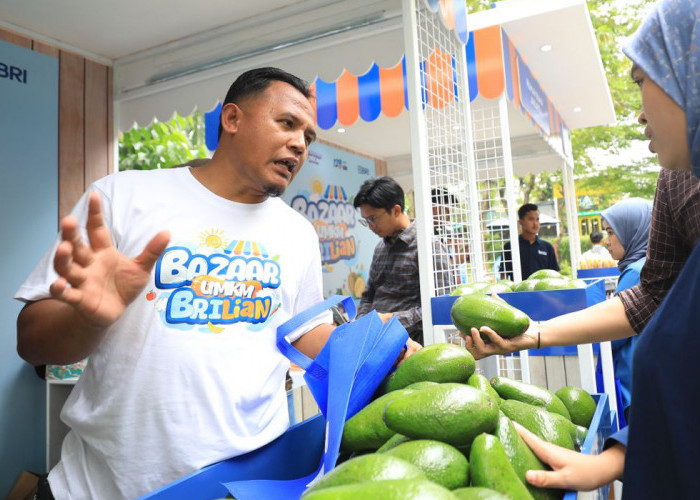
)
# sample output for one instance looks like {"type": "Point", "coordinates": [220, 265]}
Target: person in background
{"type": "Point", "coordinates": [393, 287]}
{"type": "Point", "coordinates": [627, 225]}
{"type": "Point", "coordinates": [535, 253]}
{"type": "Point", "coordinates": [597, 252]}
{"type": "Point", "coordinates": [660, 449]}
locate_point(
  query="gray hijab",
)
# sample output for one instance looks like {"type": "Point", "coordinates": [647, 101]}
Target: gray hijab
{"type": "Point", "coordinates": [667, 48]}
{"type": "Point", "coordinates": [630, 220]}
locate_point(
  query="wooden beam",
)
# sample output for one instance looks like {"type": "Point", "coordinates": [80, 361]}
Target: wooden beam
{"type": "Point", "coordinates": [71, 134]}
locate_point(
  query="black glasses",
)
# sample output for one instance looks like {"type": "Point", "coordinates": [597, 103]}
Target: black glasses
{"type": "Point", "coordinates": [370, 221]}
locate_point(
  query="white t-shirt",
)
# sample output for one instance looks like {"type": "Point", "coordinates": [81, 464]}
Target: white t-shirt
{"type": "Point", "coordinates": [190, 374]}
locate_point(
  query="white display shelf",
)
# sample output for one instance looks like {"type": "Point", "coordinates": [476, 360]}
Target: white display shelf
{"type": "Point", "coordinates": [57, 391]}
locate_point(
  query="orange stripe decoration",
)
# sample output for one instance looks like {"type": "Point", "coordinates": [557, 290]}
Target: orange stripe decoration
{"type": "Point", "coordinates": [347, 93]}
{"type": "Point", "coordinates": [391, 90]}
{"type": "Point", "coordinates": [515, 75]}
{"type": "Point", "coordinates": [490, 73]}
{"type": "Point", "coordinates": [438, 76]}
{"type": "Point", "coordinates": [448, 14]}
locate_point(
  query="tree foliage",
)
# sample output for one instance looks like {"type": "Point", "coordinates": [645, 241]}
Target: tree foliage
{"type": "Point", "coordinates": [163, 144]}
{"type": "Point", "coordinates": [612, 22]}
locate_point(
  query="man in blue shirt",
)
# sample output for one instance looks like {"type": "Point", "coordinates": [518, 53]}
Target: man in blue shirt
{"type": "Point", "coordinates": [535, 254]}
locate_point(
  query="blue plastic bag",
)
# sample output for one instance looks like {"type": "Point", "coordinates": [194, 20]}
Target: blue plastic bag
{"type": "Point", "coordinates": [343, 377]}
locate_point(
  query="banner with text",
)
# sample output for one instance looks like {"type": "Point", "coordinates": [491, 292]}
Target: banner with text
{"type": "Point", "coordinates": [323, 192]}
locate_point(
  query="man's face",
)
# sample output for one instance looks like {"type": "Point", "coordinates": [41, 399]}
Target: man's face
{"type": "Point", "coordinates": [382, 223]}
{"type": "Point", "coordinates": [272, 132]}
{"type": "Point", "coordinates": [665, 121]}
{"type": "Point", "coordinates": [530, 223]}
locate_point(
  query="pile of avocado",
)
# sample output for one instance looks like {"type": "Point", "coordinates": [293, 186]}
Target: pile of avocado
{"type": "Point", "coordinates": [441, 431]}
{"type": "Point", "coordinates": [544, 279]}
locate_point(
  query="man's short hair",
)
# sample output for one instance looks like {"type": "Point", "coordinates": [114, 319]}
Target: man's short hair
{"type": "Point", "coordinates": [527, 207]}
{"type": "Point", "coordinates": [596, 237]}
{"type": "Point", "coordinates": [440, 196]}
{"type": "Point", "coordinates": [256, 81]}
{"type": "Point", "coordinates": [380, 192]}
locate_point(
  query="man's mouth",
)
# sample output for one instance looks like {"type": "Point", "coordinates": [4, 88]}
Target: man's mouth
{"type": "Point", "coordinates": [288, 163]}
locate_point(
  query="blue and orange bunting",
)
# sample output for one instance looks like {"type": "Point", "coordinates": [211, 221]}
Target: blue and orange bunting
{"type": "Point", "coordinates": [453, 14]}
{"type": "Point", "coordinates": [492, 69]}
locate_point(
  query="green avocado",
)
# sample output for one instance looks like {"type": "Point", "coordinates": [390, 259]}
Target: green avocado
{"type": "Point", "coordinates": [393, 442]}
{"type": "Point", "coordinates": [478, 493]}
{"type": "Point", "coordinates": [475, 311]}
{"type": "Point", "coordinates": [480, 285]}
{"type": "Point", "coordinates": [463, 289]}
{"type": "Point", "coordinates": [370, 467]}
{"type": "Point", "coordinates": [496, 288]}
{"type": "Point", "coordinates": [554, 284]}
{"type": "Point", "coordinates": [532, 394]}
{"type": "Point", "coordinates": [434, 363]}
{"type": "Point", "coordinates": [366, 430]}
{"type": "Point", "coordinates": [580, 404]}
{"type": "Point", "coordinates": [548, 426]}
{"type": "Point", "coordinates": [490, 468]}
{"type": "Point", "coordinates": [441, 463]}
{"type": "Point", "coordinates": [508, 283]}
{"type": "Point", "coordinates": [522, 458]}
{"type": "Point", "coordinates": [384, 490]}
{"type": "Point", "coordinates": [478, 381]}
{"type": "Point", "coordinates": [578, 283]}
{"type": "Point", "coordinates": [451, 413]}
{"type": "Point", "coordinates": [527, 285]}
{"type": "Point", "coordinates": [417, 386]}
{"type": "Point", "coordinates": [545, 273]}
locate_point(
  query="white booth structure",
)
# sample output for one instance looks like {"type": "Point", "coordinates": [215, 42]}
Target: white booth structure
{"type": "Point", "coordinates": [454, 104]}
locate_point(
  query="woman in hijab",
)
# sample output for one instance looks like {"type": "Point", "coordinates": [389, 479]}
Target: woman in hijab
{"type": "Point", "coordinates": [627, 226]}
{"type": "Point", "coordinates": [663, 453]}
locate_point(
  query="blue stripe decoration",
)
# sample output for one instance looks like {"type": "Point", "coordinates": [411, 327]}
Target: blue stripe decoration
{"type": "Point", "coordinates": [471, 69]}
{"type": "Point", "coordinates": [263, 250]}
{"type": "Point", "coordinates": [369, 94]}
{"type": "Point", "coordinates": [342, 190]}
{"type": "Point", "coordinates": [423, 84]}
{"type": "Point", "coordinates": [247, 248]}
{"type": "Point", "coordinates": [455, 87]}
{"type": "Point", "coordinates": [326, 104]}
{"type": "Point", "coordinates": [405, 84]}
{"type": "Point", "coordinates": [506, 66]}
{"type": "Point", "coordinates": [433, 5]}
{"type": "Point", "coordinates": [327, 194]}
{"type": "Point", "coordinates": [211, 127]}
{"type": "Point", "coordinates": [460, 10]}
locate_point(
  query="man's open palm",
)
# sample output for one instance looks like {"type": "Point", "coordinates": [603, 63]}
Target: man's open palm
{"type": "Point", "coordinates": [95, 278]}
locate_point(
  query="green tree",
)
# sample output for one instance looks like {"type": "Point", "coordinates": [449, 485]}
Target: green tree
{"type": "Point", "coordinates": [613, 21]}
{"type": "Point", "coordinates": [163, 144]}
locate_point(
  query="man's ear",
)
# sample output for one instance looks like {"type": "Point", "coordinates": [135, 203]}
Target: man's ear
{"type": "Point", "coordinates": [396, 211]}
{"type": "Point", "coordinates": [230, 118]}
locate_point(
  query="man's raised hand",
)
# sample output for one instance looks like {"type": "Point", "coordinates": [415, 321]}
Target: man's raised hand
{"type": "Point", "coordinates": [94, 277]}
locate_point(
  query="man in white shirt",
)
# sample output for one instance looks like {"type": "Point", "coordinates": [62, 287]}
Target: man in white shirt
{"type": "Point", "coordinates": [174, 282]}
{"type": "Point", "coordinates": [597, 253]}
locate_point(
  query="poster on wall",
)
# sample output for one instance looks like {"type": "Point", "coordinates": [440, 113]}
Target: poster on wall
{"type": "Point", "coordinates": [323, 192]}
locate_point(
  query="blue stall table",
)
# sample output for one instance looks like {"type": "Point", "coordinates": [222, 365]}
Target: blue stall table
{"type": "Point", "coordinates": [540, 305]}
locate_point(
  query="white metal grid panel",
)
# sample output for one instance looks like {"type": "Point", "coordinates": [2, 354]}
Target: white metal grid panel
{"type": "Point", "coordinates": [445, 115]}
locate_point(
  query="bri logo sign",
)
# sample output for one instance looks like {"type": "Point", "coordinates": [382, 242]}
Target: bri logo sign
{"type": "Point", "coordinates": [11, 73]}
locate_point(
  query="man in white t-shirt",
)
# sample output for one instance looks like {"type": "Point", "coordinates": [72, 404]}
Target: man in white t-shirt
{"type": "Point", "coordinates": [597, 253]}
{"type": "Point", "coordinates": [174, 282]}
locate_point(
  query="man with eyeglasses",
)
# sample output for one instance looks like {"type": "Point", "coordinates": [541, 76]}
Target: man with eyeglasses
{"type": "Point", "coordinates": [393, 288]}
